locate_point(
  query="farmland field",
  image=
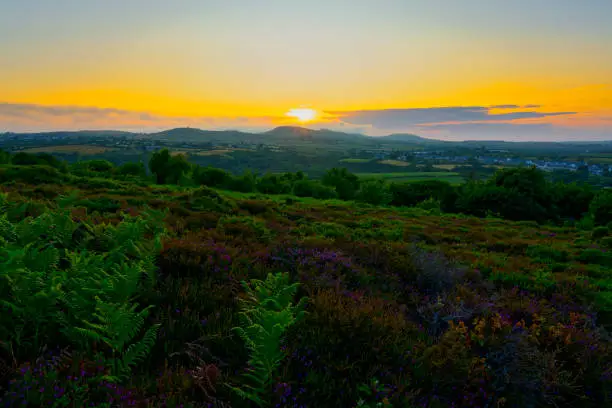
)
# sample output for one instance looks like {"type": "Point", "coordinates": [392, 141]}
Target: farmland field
{"type": "Point", "coordinates": [398, 163]}
{"type": "Point", "coordinates": [355, 160]}
{"type": "Point", "coordinates": [445, 166]}
{"type": "Point", "coordinates": [451, 177]}
{"type": "Point", "coordinates": [83, 149]}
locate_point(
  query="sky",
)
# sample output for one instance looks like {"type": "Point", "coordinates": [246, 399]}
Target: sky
{"type": "Point", "coordinates": [447, 69]}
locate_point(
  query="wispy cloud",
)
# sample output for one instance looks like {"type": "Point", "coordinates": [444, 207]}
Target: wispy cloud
{"type": "Point", "coordinates": [507, 122]}
{"type": "Point", "coordinates": [31, 118]}
{"type": "Point", "coordinates": [398, 119]}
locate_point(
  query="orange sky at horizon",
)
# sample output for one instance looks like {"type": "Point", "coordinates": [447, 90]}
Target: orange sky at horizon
{"type": "Point", "coordinates": [220, 62]}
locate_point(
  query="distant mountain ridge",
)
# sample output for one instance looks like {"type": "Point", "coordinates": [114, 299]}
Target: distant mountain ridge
{"type": "Point", "coordinates": [280, 134]}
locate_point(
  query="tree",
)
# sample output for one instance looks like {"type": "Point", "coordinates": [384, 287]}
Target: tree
{"type": "Point", "coordinates": [345, 183]}
{"type": "Point", "coordinates": [375, 192]}
{"type": "Point", "coordinates": [410, 194]}
{"type": "Point", "coordinates": [210, 176]}
{"type": "Point", "coordinates": [132, 169]}
{"type": "Point", "coordinates": [43, 159]}
{"type": "Point", "coordinates": [572, 200]}
{"type": "Point", "coordinates": [5, 157]}
{"type": "Point", "coordinates": [168, 169]}
{"type": "Point", "coordinates": [101, 166]}
{"type": "Point", "coordinates": [601, 207]}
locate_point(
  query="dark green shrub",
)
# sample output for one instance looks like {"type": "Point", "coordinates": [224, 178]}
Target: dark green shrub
{"type": "Point", "coordinates": [311, 188]}
{"type": "Point", "coordinates": [601, 207]}
{"type": "Point", "coordinates": [39, 159]}
{"type": "Point", "coordinates": [606, 242]}
{"type": "Point", "coordinates": [247, 183]}
{"type": "Point", "coordinates": [410, 194]}
{"type": "Point", "coordinates": [547, 254]}
{"type": "Point", "coordinates": [168, 169]}
{"type": "Point", "coordinates": [595, 256]}
{"type": "Point", "coordinates": [482, 199]}
{"type": "Point", "coordinates": [572, 200]}
{"type": "Point", "coordinates": [273, 184]}
{"type": "Point", "coordinates": [207, 199]}
{"type": "Point", "coordinates": [345, 183]}
{"type": "Point", "coordinates": [375, 192]}
{"type": "Point", "coordinates": [210, 176]}
{"type": "Point", "coordinates": [132, 169]}
{"type": "Point", "coordinates": [600, 232]}
{"type": "Point", "coordinates": [35, 174]}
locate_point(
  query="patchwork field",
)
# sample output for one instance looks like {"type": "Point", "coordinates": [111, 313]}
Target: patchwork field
{"type": "Point", "coordinates": [355, 160]}
{"type": "Point", "coordinates": [398, 163]}
{"type": "Point", "coordinates": [451, 177]}
{"type": "Point", "coordinates": [83, 149]}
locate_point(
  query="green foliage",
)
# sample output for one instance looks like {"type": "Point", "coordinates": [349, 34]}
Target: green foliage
{"type": "Point", "coordinates": [210, 176]}
{"type": "Point", "coordinates": [345, 183]}
{"type": "Point", "coordinates": [39, 159]}
{"type": "Point", "coordinates": [310, 188]}
{"type": "Point", "coordinates": [600, 232]}
{"type": "Point", "coordinates": [55, 283]}
{"type": "Point", "coordinates": [595, 256]}
{"type": "Point", "coordinates": [247, 183]}
{"type": "Point", "coordinates": [267, 312]}
{"type": "Point", "coordinates": [168, 169]}
{"type": "Point", "coordinates": [572, 200]}
{"type": "Point", "coordinates": [248, 227]}
{"type": "Point", "coordinates": [132, 169]}
{"type": "Point", "coordinates": [207, 199]}
{"type": "Point", "coordinates": [31, 174]}
{"type": "Point", "coordinates": [410, 194]}
{"type": "Point", "coordinates": [546, 254]}
{"type": "Point", "coordinates": [375, 192]}
{"type": "Point", "coordinates": [601, 207]}
{"type": "Point", "coordinates": [606, 242]}
{"type": "Point", "coordinates": [586, 223]}
{"type": "Point", "coordinates": [273, 184]}
{"type": "Point", "coordinates": [5, 157]}
{"type": "Point", "coordinates": [373, 391]}
{"type": "Point", "coordinates": [480, 199]}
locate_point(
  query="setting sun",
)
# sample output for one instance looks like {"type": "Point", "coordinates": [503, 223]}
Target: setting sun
{"type": "Point", "coordinates": [302, 114]}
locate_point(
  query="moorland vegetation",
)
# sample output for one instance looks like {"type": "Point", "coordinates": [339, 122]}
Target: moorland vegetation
{"type": "Point", "coordinates": [168, 284]}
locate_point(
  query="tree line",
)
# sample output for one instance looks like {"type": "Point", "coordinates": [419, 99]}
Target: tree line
{"type": "Point", "coordinates": [519, 194]}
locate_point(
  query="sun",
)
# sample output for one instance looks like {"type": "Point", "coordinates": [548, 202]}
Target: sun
{"type": "Point", "coordinates": [302, 114]}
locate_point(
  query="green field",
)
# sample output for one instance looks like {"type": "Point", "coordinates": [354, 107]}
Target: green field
{"type": "Point", "coordinates": [451, 177]}
{"type": "Point", "coordinates": [355, 160]}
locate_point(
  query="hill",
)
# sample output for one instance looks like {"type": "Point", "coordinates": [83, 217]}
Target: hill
{"type": "Point", "coordinates": [402, 137]}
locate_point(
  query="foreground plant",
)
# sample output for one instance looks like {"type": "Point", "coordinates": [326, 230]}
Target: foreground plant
{"type": "Point", "coordinates": [267, 313]}
{"type": "Point", "coordinates": [65, 282]}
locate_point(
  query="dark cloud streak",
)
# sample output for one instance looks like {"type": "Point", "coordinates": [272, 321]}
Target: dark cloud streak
{"type": "Point", "coordinates": [404, 118]}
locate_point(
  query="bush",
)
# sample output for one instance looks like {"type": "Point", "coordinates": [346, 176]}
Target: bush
{"type": "Point", "coordinates": [482, 199]}
{"type": "Point", "coordinates": [345, 183]}
{"type": "Point", "coordinates": [40, 159]}
{"type": "Point", "coordinates": [410, 194]}
{"type": "Point", "coordinates": [247, 183]}
{"type": "Point", "coordinates": [586, 223]}
{"type": "Point", "coordinates": [601, 208]}
{"type": "Point", "coordinates": [600, 232]}
{"type": "Point", "coordinates": [36, 174]}
{"type": "Point", "coordinates": [572, 200]}
{"type": "Point", "coordinates": [310, 188]}
{"type": "Point", "coordinates": [210, 176]}
{"type": "Point", "coordinates": [606, 242]}
{"type": "Point", "coordinates": [376, 192]}
{"type": "Point", "coordinates": [132, 169]}
{"type": "Point", "coordinates": [272, 184]}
